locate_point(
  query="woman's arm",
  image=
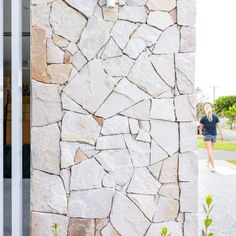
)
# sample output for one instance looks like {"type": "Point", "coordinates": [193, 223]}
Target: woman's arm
{"type": "Point", "coordinates": [221, 131]}
{"type": "Point", "coordinates": [200, 128]}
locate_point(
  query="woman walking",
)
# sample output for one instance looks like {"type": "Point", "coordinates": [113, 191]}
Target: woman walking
{"type": "Point", "coordinates": [209, 124]}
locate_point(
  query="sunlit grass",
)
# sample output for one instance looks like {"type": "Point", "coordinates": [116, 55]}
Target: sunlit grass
{"type": "Point", "coordinates": [232, 161]}
{"type": "Point", "coordinates": [227, 146]}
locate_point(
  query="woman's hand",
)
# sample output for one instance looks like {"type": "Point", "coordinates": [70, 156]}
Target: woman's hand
{"type": "Point", "coordinates": [222, 139]}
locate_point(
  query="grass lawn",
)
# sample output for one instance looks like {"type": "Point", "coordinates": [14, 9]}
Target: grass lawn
{"type": "Point", "coordinates": [227, 146]}
{"type": "Point", "coordinates": [232, 161]}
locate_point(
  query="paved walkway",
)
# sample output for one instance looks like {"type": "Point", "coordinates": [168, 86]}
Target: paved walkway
{"type": "Point", "coordinates": [222, 186]}
{"type": "Point", "coordinates": [218, 154]}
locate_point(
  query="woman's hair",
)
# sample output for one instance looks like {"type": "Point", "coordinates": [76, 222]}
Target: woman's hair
{"type": "Point", "coordinates": [208, 111]}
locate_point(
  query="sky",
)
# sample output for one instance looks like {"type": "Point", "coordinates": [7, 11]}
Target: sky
{"type": "Point", "coordinates": [216, 47]}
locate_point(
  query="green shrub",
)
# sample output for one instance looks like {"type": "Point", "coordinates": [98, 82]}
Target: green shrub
{"type": "Point", "coordinates": [164, 232]}
{"type": "Point", "coordinates": [207, 207]}
{"type": "Point", "coordinates": [55, 229]}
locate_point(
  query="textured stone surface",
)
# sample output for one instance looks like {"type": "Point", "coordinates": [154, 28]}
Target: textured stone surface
{"type": "Point", "coordinates": [110, 142]}
{"type": "Point", "coordinates": [133, 14]}
{"type": "Point", "coordinates": [46, 104]}
{"type": "Point", "coordinates": [78, 127]}
{"type": "Point", "coordinates": [95, 203]}
{"type": "Point", "coordinates": [134, 47]}
{"type": "Point", "coordinates": [54, 53]}
{"type": "Point", "coordinates": [127, 220]}
{"type": "Point", "coordinates": [64, 18]}
{"type": "Point", "coordinates": [157, 153]}
{"type": "Point", "coordinates": [46, 149]}
{"type": "Point", "coordinates": [170, 190]}
{"type": "Point", "coordinates": [134, 126]}
{"type": "Point", "coordinates": [111, 50]}
{"type": "Point", "coordinates": [41, 223]}
{"type": "Point", "coordinates": [95, 28]}
{"type": "Point", "coordinates": [40, 15]}
{"type": "Point", "coordinates": [190, 224]}
{"type": "Point", "coordinates": [110, 14]}
{"type": "Point", "coordinates": [188, 39]}
{"type": "Point", "coordinates": [109, 230]}
{"type": "Point", "coordinates": [78, 60]}
{"type": "Point", "coordinates": [58, 73]}
{"type": "Point", "coordinates": [174, 227]}
{"type": "Point", "coordinates": [46, 198]}
{"type": "Point", "coordinates": [186, 12]}
{"type": "Point", "coordinates": [162, 5]}
{"type": "Point", "coordinates": [81, 227]}
{"type": "Point", "coordinates": [117, 163]}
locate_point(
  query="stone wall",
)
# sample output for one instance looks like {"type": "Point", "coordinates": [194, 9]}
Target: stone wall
{"type": "Point", "coordinates": [113, 132]}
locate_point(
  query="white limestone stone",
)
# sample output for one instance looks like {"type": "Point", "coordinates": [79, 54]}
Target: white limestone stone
{"type": "Point", "coordinates": [41, 223]}
{"type": "Point", "coordinates": [35, 2]}
{"type": "Point", "coordinates": [145, 77]}
{"type": "Point", "coordinates": [59, 40]}
{"type": "Point", "coordinates": [68, 151]}
{"type": "Point", "coordinates": [147, 203]}
{"type": "Point", "coordinates": [143, 136]}
{"type": "Point", "coordinates": [185, 72]}
{"type": "Point", "coordinates": [122, 31]}
{"type": "Point", "coordinates": [93, 203]}
{"type": "Point", "coordinates": [128, 219]}
{"type": "Point", "coordinates": [99, 29]}
{"type": "Point", "coordinates": [188, 39]}
{"type": "Point", "coordinates": [65, 175]}
{"type": "Point", "coordinates": [40, 15]}
{"type": "Point", "coordinates": [168, 42]}
{"type": "Point", "coordinates": [45, 148]}
{"type": "Point", "coordinates": [118, 66]}
{"type": "Point", "coordinates": [162, 5]}
{"type": "Point", "coordinates": [170, 190]}
{"type": "Point", "coordinates": [166, 134]}
{"type": "Point", "coordinates": [70, 105]}
{"type": "Point", "coordinates": [134, 47]}
{"type": "Point", "coordinates": [122, 2]}
{"type": "Point", "coordinates": [86, 7]}
{"type": "Point", "coordinates": [133, 14]}
{"type": "Point", "coordinates": [136, 2]}
{"type": "Point", "coordinates": [49, 194]}
{"type": "Point", "coordinates": [143, 182]}
{"type": "Point", "coordinates": [186, 14]}
{"type": "Point", "coordinates": [174, 227]}
{"type": "Point", "coordinates": [188, 166]}
{"type": "Point", "coordinates": [139, 151]}
{"type": "Point", "coordinates": [157, 153]}
{"type": "Point", "coordinates": [91, 87]}
{"type": "Point", "coordinates": [188, 197]}
{"type": "Point", "coordinates": [72, 48]}
{"type": "Point", "coordinates": [117, 163]}
{"type": "Point", "coordinates": [110, 142]}
{"type": "Point", "coordinates": [58, 73]}
{"type": "Point", "coordinates": [169, 170]}
{"type": "Point", "coordinates": [109, 230]}
{"type": "Point", "coordinates": [165, 66]}
{"type": "Point", "coordinates": [87, 174]}
{"type": "Point", "coordinates": [139, 111]}
{"type": "Point", "coordinates": [79, 127]}
{"type": "Point", "coordinates": [64, 18]}
{"type": "Point", "coordinates": [188, 136]}
{"type": "Point", "coordinates": [163, 109]}
{"type": "Point", "coordinates": [191, 224]}
{"type": "Point", "coordinates": [98, 12]}
{"type": "Point", "coordinates": [46, 104]}
{"type": "Point", "coordinates": [54, 53]}
{"type": "Point", "coordinates": [160, 19]}
{"type": "Point", "coordinates": [108, 181]}
{"type": "Point", "coordinates": [167, 209]}
{"type": "Point", "coordinates": [155, 169]}
{"type": "Point", "coordinates": [111, 50]}
{"type": "Point", "coordinates": [115, 125]}
{"type": "Point", "coordinates": [134, 126]}
{"type": "Point", "coordinates": [147, 33]}
{"type": "Point", "coordinates": [125, 95]}
{"type": "Point", "coordinates": [79, 60]}
{"type": "Point", "coordinates": [188, 103]}
{"type": "Point", "coordinates": [110, 14]}
{"type": "Point", "coordinates": [73, 73]}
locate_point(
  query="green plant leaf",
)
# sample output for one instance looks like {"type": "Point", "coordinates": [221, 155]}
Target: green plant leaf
{"type": "Point", "coordinates": [207, 222]}
{"type": "Point", "coordinates": [204, 208]}
{"type": "Point", "coordinates": [164, 230]}
{"type": "Point", "coordinates": [209, 200]}
{"type": "Point", "coordinates": [210, 210]}
{"type": "Point", "coordinates": [210, 234]}
{"type": "Point", "coordinates": [203, 233]}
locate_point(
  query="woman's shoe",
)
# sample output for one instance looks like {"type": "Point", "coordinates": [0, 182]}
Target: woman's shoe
{"type": "Point", "coordinates": [212, 169]}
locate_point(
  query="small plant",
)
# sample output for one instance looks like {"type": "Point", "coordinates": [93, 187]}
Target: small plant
{"type": "Point", "coordinates": [164, 232]}
{"type": "Point", "coordinates": [207, 207]}
{"type": "Point", "coordinates": [55, 229]}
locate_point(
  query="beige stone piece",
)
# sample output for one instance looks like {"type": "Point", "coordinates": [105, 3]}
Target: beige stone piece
{"type": "Point", "coordinates": [81, 227]}
{"type": "Point", "coordinates": [79, 156]}
{"type": "Point", "coordinates": [109, 230]}
{"type": "Point", "coordinates": [58, 73]}
{"type": "Point", "coordinates": [39, 54]}
{"type": "Point", "coordinates": [99, 120]}
{"type": "Point", "coordinates": [160, 19]}
{"type": "Point", "coordinates": [101, 223]}
{"type": "Point", "coordinates": [72, 48]}
{"type": "Point", "coordinates": [94, 203]}
{"type": "Point", "coordinates": [122, 31]}
{"type": "Point", "coordinates": [169, 170]}
{"type": "Point", "coordinates": [54, 53]}
{"type": "Point", "coordinates": [110, 14]}
{"type": "Point", "coordinates": [64, 18]}
{"type": "Point", "coordinates": [40, 15]}
{"type": "Point", "coordinates": [167, 209]}
{"type": "Point", "coordinates": [45, 148]}
{"type": "Point", "coordinates": [41, 223]}
{"type": "Point", "coordinates": [188, 39]}
{"type": "Point", "coordinates": [155, 169]}
{"type": "Point", "coordinates": [133, 14]}
{"type": "Point", "coordinates": [173, 14]}
{"type": "Point", "coordinates": [170, 190]}
{"type": "Point", "coordinates": [67, 58]}
{"type": "Point", "coordinates": [79, 127]}
{"type": "Point", "coordinates": [98, 28]}
{"type": "Point", "coordinates": [48, 193]}
{"type": "Point", "coordinates": [59, 41]}
{"type": "Point", "coordinates": [161, 5]}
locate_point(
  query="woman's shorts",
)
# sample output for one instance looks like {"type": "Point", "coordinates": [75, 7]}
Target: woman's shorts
{"type": "Point", "coordinates": [211, 138]}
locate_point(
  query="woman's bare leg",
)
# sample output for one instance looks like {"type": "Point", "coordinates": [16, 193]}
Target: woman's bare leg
{"type": "Point", "coordinates": [208, 145]}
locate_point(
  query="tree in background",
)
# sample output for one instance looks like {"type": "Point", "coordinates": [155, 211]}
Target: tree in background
{"type": "Point", "coordinates": [226, 106]}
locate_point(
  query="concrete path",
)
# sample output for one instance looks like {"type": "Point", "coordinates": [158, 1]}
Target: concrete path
{"type": "Point", "coordinates": [222, 186]}
{"type": "Point", "coordinates": [230, 135]}
{"type": "Point", "coordinates": [218, 154]}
